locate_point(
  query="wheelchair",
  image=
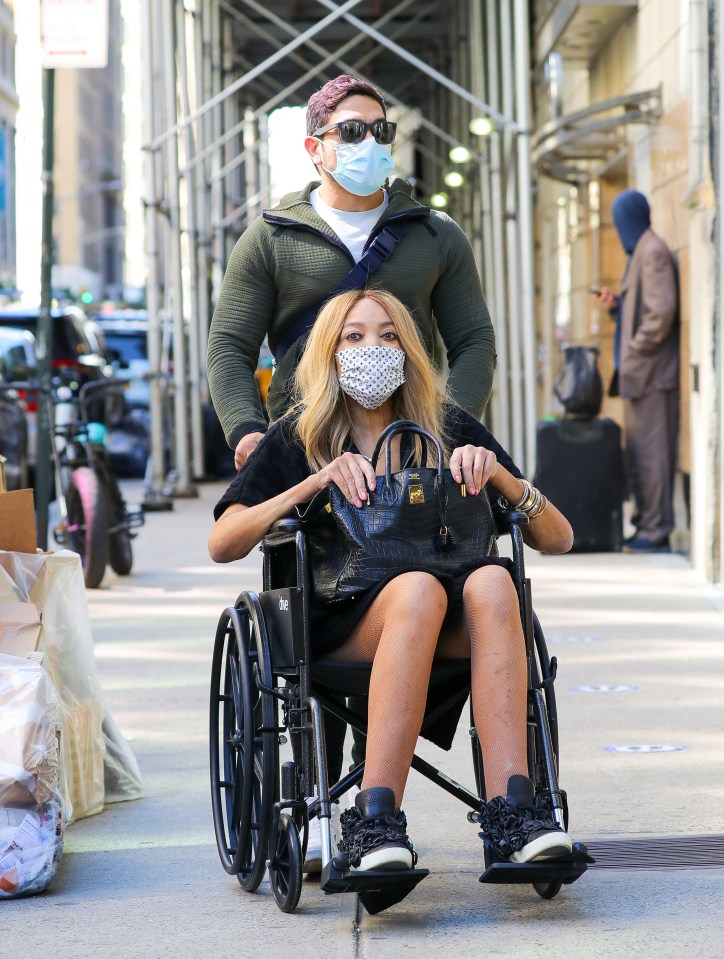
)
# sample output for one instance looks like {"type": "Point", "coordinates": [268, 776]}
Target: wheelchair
{"type": "Point", "coordinates": [265, 684]}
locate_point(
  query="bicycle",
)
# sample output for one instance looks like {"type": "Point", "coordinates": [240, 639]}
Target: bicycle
{"type": "Point", "coordinates": [95, 521]}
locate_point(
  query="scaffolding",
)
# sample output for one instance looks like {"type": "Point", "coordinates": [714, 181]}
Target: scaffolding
{"type": "Point", "coordinates": [216, 69]}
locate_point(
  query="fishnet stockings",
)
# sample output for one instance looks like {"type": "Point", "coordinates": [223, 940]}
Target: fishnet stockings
{"type": "Point", "coordinates": [400, 635]}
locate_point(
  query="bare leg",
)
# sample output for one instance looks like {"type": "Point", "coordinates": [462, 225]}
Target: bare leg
{"type": "Point", "coordinates": [493, 638]}
{"type": "Point", "coordinates": [398, 634]}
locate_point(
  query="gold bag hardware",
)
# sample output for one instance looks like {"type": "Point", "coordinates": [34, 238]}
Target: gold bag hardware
{"type": "Point", "coordinates": [417, 494]}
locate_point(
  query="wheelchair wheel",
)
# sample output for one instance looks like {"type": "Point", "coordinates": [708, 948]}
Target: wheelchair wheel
{"type": "Point", "coordinates": [548, 890]}
{"type": "Point", "coordinates": [549, 691]}
{"type": "Point", "coordinates": [243, 741]}
{"type": "Point", "coordinates": [285, 865]}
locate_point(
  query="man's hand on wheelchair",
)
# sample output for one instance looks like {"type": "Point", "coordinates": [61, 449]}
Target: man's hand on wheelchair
{"type": "Point", "coordinates": [245, 447]}
{"type": "Point", "coordinates": [352, 473]}
{"type": "Point", "coordinates": [473, 466]}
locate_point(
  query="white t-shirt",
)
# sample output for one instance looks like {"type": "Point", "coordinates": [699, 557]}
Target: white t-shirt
{"type": "Point", "coordinates": [353, 229]}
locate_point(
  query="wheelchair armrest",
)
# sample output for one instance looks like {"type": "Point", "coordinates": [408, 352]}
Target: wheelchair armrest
{"type": "Point", "coordinates": [288, 524]}
{"type": "Point", "coordinates": [510, 518]}
{"type": "Point", "coordinates": [283, 531]}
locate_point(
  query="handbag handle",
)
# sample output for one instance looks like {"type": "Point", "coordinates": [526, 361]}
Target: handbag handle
{"type": "Point", "coordinates": [404, 426]}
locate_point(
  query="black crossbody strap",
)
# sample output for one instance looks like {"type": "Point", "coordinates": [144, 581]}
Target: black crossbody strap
{"type": "Point", "coordinates": [380, 249]}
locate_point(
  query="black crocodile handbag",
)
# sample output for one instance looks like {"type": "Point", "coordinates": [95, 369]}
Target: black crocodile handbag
{"type": "Point", "coordinates": [415, 519]}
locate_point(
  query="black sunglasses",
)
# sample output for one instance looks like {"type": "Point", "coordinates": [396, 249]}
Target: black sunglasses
{"type": "Point", "coordinates": [354, 131]}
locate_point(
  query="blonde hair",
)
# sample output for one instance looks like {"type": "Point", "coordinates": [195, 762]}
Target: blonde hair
{"type": "Point", "coordinates": [324, 421]}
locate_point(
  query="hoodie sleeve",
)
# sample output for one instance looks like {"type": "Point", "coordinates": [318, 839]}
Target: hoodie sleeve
{"type": "Point", "coordinates": [464, 323]}
{"type": "Point", "coordinates": [241, 320]}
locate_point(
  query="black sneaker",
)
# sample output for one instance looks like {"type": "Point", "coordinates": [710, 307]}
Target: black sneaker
{"type": "Point", "coordinates": [519, 831]}
{"type": "Point", "coordinates": [374, 834]}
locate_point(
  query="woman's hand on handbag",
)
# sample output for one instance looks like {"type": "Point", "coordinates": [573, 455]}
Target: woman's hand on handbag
{"type": "Point", "coordinates": [352, 473]}
{"type": "Point", "coordinates": [473, 466]}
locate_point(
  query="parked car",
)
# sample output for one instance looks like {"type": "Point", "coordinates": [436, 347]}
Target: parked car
{"type": "Point", "coordinates": [74, 357]}
{"type": "Point", "coordinates": [13, 434]}
{"type": "Point", "coordinates": [126, 336]}
{"type": "Point", "coordinates": [18, 365]}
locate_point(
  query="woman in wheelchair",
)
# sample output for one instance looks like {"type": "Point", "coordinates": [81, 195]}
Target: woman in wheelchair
{"type": "Point", "coordinates": [365, 366]}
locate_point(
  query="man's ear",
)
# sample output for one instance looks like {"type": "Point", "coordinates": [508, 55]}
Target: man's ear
{"type": "Point", "coordinates": [314, 149]}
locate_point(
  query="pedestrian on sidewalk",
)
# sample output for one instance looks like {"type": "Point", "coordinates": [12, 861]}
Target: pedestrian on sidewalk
{"type": "Point", "coordinates": [294, 256]}
{"type": "Point", "coordinates": [646, 369]}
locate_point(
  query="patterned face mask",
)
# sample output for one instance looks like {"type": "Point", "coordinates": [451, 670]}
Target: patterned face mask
{"type": "Point", "coordinates": [371, 374]}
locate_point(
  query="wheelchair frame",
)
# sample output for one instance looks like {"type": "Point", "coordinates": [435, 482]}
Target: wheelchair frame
{"type": "Point", "coordinates": [261, 816]}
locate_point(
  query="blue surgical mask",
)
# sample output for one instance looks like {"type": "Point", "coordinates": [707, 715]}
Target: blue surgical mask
{"type": "Point", "coordinates": [363, 167]}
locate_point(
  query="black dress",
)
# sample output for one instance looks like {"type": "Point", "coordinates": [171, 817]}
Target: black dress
{"type": "Point", "coordinates": [278, 463]}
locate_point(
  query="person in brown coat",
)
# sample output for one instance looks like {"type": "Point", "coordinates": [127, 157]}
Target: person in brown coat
{"type": "Point", "coordinates": [646, 357]}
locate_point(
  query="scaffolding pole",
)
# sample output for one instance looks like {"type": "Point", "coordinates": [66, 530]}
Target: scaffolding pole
{"type": "Point", "coordinates": [513, 263]}
{"type": "Point", "coordinates": [155, 497]}
{"type": "Point", "coordinates": [525, 225]}
{"type": "Point", "coordinates": [182, 462]}
{"type": "Point", "coordinates": [502, 317]}
{"type": "Point", "coordinates": [190, 295]}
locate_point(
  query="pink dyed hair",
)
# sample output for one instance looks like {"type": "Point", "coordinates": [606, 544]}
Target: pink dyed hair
{"type": "Point", "coordinates": [325, 101]}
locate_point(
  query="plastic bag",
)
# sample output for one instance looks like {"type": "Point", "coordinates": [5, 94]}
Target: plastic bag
{"type": "Point", "coordinates": [579, 386]}
{"type": "Point", "coordinates": [31, 805]}
{"type": "Point", "coordinates": [98, 764]}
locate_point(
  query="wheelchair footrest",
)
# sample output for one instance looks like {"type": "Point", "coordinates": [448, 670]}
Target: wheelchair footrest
{"type": "Point", "coordinates": [377, 889]}
{"type": "Point", "coordinates": [564, 870]}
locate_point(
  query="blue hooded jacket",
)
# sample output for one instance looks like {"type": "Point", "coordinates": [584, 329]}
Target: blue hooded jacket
{"type": "Point", "coordinates": [632, 218]}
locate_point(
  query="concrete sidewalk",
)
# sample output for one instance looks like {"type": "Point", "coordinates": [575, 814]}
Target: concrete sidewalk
{"type": "Point", "coordinates": [144, 880]}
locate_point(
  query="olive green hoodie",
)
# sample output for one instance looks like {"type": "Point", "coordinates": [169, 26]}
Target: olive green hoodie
{"type": "Point", "coordinates": [289, 258]}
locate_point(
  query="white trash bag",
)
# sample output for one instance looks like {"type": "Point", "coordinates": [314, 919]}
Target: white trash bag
{"type": "Point", "coordinates": [31, 804]}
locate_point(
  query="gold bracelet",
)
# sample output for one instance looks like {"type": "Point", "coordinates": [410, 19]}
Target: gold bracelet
{"type": "Point", "coordinates": [528, 497]}
{"type": "Point", "coordinates": [542, 506]}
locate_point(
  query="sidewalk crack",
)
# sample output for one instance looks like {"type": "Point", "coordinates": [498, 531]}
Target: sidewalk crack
{"type": "Point", "coordinates": [357, 930]}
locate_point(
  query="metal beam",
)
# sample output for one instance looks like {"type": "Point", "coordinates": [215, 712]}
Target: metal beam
{"type": "Point", "coordinates": [312, 70]}
{"type": "Point", "coordinates": [252, 74]}
{"type": "Point", "coordinates": [154, 495]}
{"type": "Point", "coordinates": [191, 303]}
{"type": "Point", "coordinates": [499, 118]}
{"type": "Point", "coordinates": [525, 222]}
{"type": "Point", "coordinates": [315, 70]}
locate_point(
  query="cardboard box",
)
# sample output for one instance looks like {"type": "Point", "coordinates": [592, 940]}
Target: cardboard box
{"type": "Point", "coordinates": [17, 521]}
{"type": "Point", "coordinates": [17, 517]}
{"type": "Point", "coordinates": [19, 628]}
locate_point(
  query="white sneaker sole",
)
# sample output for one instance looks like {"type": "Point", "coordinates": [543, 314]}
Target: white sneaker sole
{"type": "Point", "coordinates": [393, 857]}
{"type": "Point", "coordinates": [313, 861]}
{"type": "Point", "coordinates": [552, 845]}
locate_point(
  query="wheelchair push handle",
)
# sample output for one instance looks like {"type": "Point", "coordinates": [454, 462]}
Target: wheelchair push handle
{"type": "Point", "coordinates": [406, 426]}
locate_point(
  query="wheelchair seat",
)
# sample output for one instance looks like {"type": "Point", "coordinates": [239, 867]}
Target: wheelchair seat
{"type": "Point", "coordinates": [353, 679]}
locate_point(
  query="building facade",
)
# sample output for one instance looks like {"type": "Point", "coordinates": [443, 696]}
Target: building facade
{"type": "Point", "coordinates": [623, 95]}
{"type": "Point", "coordinates": [89, 222]}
